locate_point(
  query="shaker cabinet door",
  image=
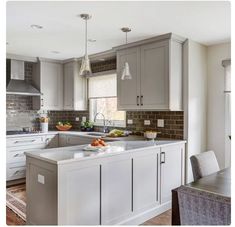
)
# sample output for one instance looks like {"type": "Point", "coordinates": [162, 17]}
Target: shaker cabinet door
{"type": "Point", "coordinates": [68, 86]}
{"type": "Point", "coordinates": [145, 180]}
{"type": "Point", "coordinates": [172, 165]}
{"type": "Point", "coordinates": [116, 191]}
{"type": "Point", "coordinates": [51, 86]}
{"type": "Point", "coordinates": [128, 91]}
{"type": "Point", "coordinates": [155, 76]}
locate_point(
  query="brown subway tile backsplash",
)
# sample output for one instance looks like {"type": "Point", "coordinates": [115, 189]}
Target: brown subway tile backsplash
{"type": "Point", "coordinates": [55, 116]}
{"type": "Point", "coordinates": [173, 127]}
{"type": "Point", "coordinates": [20, 114]}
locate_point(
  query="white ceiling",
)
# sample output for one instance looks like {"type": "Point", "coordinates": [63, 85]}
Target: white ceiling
{"type": "Point", "coordinates": [204, 22]}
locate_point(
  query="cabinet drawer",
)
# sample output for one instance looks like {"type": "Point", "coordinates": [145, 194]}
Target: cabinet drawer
{"type": "Point", "coordinates": [30, 147]}
{"type": "Point", "coordinates": [22, 141]}
{"type": "Point", "coordinates": [17, 155]}
{"type": "Point", "coordinates": [16, 171]}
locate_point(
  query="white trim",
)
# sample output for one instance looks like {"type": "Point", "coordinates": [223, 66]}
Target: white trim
{"type": "Point", "coordinates": [21, 58]}
{"type": "Point", "coordinates": [104, 73]}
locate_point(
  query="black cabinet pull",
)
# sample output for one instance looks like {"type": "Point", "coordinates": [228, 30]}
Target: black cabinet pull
{"type": "Point", "coordinates": [141, 100]}
{"type": "Point", "coordinates": [137, 100]}
{"type": "Point", "coordinates": [164, 155]}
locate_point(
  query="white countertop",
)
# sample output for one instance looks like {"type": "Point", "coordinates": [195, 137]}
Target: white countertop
{"type": "Point", "coordinates": [82, 134]}
{"type": "Point", "coordinates": [64, 155]}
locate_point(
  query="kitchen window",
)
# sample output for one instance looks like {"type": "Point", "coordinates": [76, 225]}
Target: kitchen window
{"type": "Point", "coordinates": [103, 99]}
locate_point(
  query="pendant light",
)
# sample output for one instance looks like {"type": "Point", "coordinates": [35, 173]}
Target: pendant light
{"type": "Point", "coordinates": [126, 75]}
{"type": "Point", "coordinates": [85, 69]}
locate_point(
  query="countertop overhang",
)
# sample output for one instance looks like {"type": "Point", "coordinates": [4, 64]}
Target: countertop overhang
{"type": "Point", "coordinates": [70, 154]}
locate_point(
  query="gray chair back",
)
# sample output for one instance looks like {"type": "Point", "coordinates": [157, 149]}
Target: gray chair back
{"type": "Point", "coordinates": [204, 164]}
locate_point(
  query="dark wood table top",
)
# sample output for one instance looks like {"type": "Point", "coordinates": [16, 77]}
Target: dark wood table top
{"type": "Point", "coordinates": [218, 183]}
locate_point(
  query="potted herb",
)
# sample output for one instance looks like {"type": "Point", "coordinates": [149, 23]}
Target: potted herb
{"type": "Point", "coordinates": [87, 126]}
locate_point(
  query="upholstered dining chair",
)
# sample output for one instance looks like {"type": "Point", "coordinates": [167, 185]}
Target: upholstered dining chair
{"type": "Point", "coordinates": [204, 164]}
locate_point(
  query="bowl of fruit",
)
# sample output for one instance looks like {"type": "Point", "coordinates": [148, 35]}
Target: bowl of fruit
{"type": "Point", "coordinates": [97, 144]}
{"type": "Point", "coordinates": [63, 126]}
{"type": "Point", "coordinates": [150, 135]}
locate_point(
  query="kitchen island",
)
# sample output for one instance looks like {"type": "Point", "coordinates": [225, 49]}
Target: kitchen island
{"type": "Point", "coordinates": [127, 183]}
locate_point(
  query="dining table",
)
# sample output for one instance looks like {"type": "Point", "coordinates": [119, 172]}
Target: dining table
{"type": "Point", "coordinates": [206, 201]}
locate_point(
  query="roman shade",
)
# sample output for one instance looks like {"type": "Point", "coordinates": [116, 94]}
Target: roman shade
{"type": "Point", "coordinates": [103, 86]}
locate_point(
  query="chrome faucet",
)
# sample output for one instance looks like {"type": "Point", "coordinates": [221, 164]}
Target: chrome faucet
{"type": "Point", "coordinates": [105, 128]}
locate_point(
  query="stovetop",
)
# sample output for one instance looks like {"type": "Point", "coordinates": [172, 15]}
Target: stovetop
{"type": "Point", "coordinates": [16, 132]}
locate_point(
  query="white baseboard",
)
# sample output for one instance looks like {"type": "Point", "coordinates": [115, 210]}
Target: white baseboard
{"type": "Point", "coordinates": [144, 216]}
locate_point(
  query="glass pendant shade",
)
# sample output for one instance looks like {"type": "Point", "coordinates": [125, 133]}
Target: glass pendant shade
{"type": "Point", "coordinates": [126, 75]}
{"type": "Point", "coordinates": [85, 69]}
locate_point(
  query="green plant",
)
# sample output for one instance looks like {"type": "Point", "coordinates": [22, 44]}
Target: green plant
{"type": "Point", "coordinates": [87, 124]}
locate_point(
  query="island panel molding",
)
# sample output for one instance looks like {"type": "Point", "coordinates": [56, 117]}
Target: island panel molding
{"type": "Point", "coordinates": [103, 189]}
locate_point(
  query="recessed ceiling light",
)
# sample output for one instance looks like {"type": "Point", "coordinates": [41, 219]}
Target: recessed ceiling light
{"type": "Point", "coordinates": [36, 26]}
{"type": "Point", "coordinates": [55, 52]}
{"type": "Point", "coordinates": [91, 40]}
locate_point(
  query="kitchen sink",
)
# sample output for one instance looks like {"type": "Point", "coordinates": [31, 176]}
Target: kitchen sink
{"type": "Point", "coordinates": [95, 134]}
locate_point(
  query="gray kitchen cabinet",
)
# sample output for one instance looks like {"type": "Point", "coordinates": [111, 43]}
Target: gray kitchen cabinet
{"type": "Point", "coordinates": [75, 87]}
{"type": "Point", "coordinates": [156, 68]}
{"type": "Point", "coordinates": [52, 141]}
{"type": "Point", "coordinates": [78, 140]}
{"type": "Point", "coordinates": [62, 140]}
{"type": "Point", "coordinates": [123, 188]}
{"type": "Point", "coordinates": [146, 177]}
{"type": "Point", "coordinates": [116, 190]}
{"type": "Point", "coordinates": [155, 81]}
{"type": "Point", "coordinates": [16, 147]}
{"type": "Point", "coordinates": [16, 167]}
{"type": "Point", "coordinates": [48, 78]}
{"type": "Point", "coordinates": [128, 91]}
{"type": "Point", "coordinates": [80, 193]}
{"type": "Point", "coordinates": [172, 169]}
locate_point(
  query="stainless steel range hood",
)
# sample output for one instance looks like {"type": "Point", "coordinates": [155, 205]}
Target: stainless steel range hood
{"type": "Point", "coordinates": [16, 85]}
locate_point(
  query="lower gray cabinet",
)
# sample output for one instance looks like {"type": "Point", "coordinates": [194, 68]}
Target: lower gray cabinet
{"type": "Point", "coordinates": [83, 195]}
{"type": "Point", "coordinates": [172, 169]}
{"type": "Point", "coordinates": [145, 179]}
{"type": "Point", "coordinates": [78, 140]}
{"type": "Point", "coordinates": [126, 188]}
{"type": "Point", "coordinates": [116, 191]}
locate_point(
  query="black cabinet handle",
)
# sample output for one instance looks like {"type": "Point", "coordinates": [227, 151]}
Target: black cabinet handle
{"type": "Point", "coordinates": [163, 154]}
{"type": "Point", "coordinates": [137, 100]}
{"type": "Point", "coordinates": [141, 100]}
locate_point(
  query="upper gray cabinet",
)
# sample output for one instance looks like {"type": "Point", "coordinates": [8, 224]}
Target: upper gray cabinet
{"type": "Point", "coordinates": [128, 91]}
{"type": "Point", "coordinates": [48, 78]}
{"type": "Point", "coordinates": [156, 69]}
{"type": "Point", "coordinates": [75, 87]}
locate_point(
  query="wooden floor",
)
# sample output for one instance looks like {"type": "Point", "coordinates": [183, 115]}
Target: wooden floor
{"type": "Point", "coordinates": [162, 219]}
{"type": "Point", "coordinates": [13, 219]}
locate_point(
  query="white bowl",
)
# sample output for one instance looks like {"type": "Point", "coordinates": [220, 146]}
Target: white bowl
{"type": "Point", "coordinates": [150, 135]}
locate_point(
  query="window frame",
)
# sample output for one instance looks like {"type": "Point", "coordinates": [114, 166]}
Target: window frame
{"type": "Point", "coordinates": [114, 123]}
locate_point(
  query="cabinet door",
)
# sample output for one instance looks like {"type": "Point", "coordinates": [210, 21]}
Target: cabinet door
{"type": "Point", "coordinates": [155, 76]}
{"type": "Point", "coordinates": [68, 86]}
{"type": "Point", "coordinates": [52, 141]}
{"type": "Point", "coordinates": [62, 140]}
{"type": "Point", "coordinates": [172, 170]}
{"type": "Point", "coordinates": [79, 196]}
{"type": "Point", "coordinates": [145, 179]}
{"type": "Point", "coordinates": [78, 140]}
{"type": "Point", "coordinates": [51, 86]}
{"type": "Point", "coordinates": [128, 91]}
{"type": "Point", "coordinates": [116, 191]}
